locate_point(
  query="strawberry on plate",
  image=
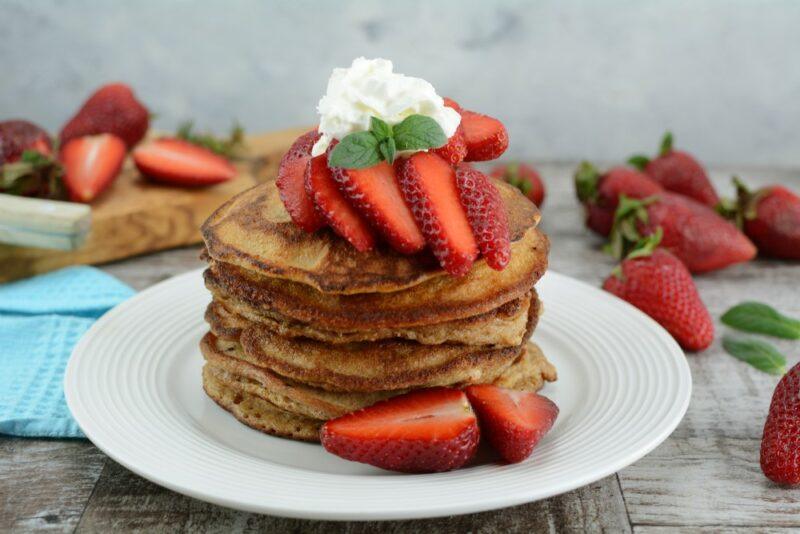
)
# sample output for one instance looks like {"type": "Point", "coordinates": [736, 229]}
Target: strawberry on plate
{"type": "Point", "coordinates": [334, 207]}
{"type": "Point", "coordinates": [486, 214]}
{"type": "Point", "coordinates": [91, 164]}
{"type": "Point", "coordinates": [780, 443]}
{"type": "Point", "coordinates": [512, 421]}
{"type": "Point", "coordinates": [429, 186]}
{"type": "Point", "coordinates": [679, 172]}
{"type": "Point", "coordinates": [111, 109]}
{"type": "Point", "coordinates": [375, 193]}
{"type": "Point", "coordinates": [524, 177]}
{"type": "Point", "coordinates": [659, 284]}
{"type": "Point", "coordinates": [291, 183]}
{"type": "Point", "coordinates": [485, 136]}
{"type": "Point", "coordinates": [425, 431]}
{"type": "Point", "coordinates": [178, 162]}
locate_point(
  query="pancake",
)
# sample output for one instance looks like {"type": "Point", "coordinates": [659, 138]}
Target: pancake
{"type": "Point", "coordinates": [440, 299]}
{"type": "Point", "coordinates": [259, 414]}
{"type": "Point", "coordinates": [224, 361]}
{"type": "Point", "coordinates": [253, 231]}
{"type": "Point", "coordinates": [502, 327]}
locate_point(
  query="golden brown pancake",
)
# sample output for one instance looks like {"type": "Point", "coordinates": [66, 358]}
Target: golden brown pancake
{"type": "Point", "coordinates": [439, 299]}
{"type": "Point", "coordinates": [254, 231]}
{"type": "Point", "coordinates": [502, 327]}
{"type": "Point", "coordinates": [225, 361]}
{"type": "Point", "coordinates": [258, 413]}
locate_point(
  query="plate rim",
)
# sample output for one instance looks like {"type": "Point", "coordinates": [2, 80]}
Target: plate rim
{"type": "Point", "coordinates": [497, 501]}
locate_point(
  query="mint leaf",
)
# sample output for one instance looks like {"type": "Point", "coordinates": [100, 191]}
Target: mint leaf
{"type": "Point", "coordinates": [418, 132]}
{"type": "Point", "coordinates": [356, 151]}
{"type": "Point", "coordinates": [388, 149]}
{"type": "Point", "coordinates": [759, 354]}
{"type": "Point", "coordinates": [761, 319]}
{"type": "Point", "coordinates": [379, 129]}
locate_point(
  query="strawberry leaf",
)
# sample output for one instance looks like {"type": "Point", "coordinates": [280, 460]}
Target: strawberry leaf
{"type": "Point", "coordinates": [666, 144]}
{"type": "Point", "coordinates": [418, 132]}
{"type": "Point", "coordinates": [759, 354]}
{"type": "Point", "coordinates": [639, 161]}
{"type": "Point", "coordinates": [356, 151]}
{"type": "Point", "coordinates": [761, 319]}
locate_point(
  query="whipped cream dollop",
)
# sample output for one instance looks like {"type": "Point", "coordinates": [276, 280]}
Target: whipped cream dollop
{"type": "Point", "coordinates": [369, 88]}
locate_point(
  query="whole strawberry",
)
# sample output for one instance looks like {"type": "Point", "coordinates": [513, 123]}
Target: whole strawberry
{"type": "Point", "coordinates": [599, 192]}
{"type": "Point", "coordinates": [780, 444]}
{"type": "Point", "coordinates": [770, 217]}
{"type": "Point", "coordinates": [695, 233]}
{"type": "Point", "coordinates": [659, 284]}
{"type": "Point", "coordinates": [111, 109]}
{"type": "Point", "coordinates": [524, 177]}
{"type": "Point", "coordinates": [679, 172]}
{"type": "Point", "coordinates": [17, 136]}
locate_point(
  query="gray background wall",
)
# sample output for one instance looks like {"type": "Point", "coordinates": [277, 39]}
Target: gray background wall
{"type": "Point", "coordinates": [570, 79]}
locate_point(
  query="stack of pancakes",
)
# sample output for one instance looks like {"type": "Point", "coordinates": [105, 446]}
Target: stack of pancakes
{"type": "Point", "coordinates": [303, 328]}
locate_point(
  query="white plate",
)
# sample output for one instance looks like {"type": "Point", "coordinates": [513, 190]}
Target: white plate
{"type": "Point", "coordinates": [133, 384]}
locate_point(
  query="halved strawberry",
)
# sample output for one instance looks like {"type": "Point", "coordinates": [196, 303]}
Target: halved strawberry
{"type": "Point", "coordinates": [486, 214]}
{"type": "Point", "coordinates": [425, 431]}
{"type": "Point", "coordinates": [90, 164]}
{"type": "Point", "coordinates": [512, 421]}
{"type": "Point", "coordinates": [336, 210]}
{"type": "Point", "coordinates": [291, 183]}
{"type": "Point", "coordinates": [178, 162]}
{"type": "Point", "coordinates": [486, 136]}
{"type": "Point", "coordinates": [429, 186]}
{"type": "Point", "coordinates": [376, 195]}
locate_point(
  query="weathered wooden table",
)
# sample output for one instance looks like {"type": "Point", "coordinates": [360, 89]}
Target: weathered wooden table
{"type": "Point", "coordinates": [705, 476]}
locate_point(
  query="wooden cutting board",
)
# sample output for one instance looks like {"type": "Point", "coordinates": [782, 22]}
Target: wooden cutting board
{"type": "Point", "coordinates": [136, 216]}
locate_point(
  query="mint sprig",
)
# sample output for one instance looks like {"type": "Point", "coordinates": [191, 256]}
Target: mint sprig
{"type": "Point", "coordinates": [757, 353]}
{"type": "Point", "coordinates": [382, 142]}
{"type": "Point", "coordinates": [761, 319]}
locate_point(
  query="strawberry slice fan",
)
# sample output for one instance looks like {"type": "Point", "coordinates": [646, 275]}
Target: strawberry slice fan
{"type": "Point", "coordinates": [356, 295]}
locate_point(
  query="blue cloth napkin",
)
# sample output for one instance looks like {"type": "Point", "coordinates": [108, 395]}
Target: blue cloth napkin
{"type": "Point", "coordinates": [41, 320]}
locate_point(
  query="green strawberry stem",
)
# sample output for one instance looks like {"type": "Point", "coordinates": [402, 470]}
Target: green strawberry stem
{"type": "Point", "coordinates": [587, 178]}
{"type": "Point", "coordinates": [513, 176]}
{"type": "Point", "coordinates": [643, 248]}
{"type": "Point", "coordinates": [639, 161]}
{"type": "Point", "coordinates": [625, 236]}
{"type": "Point", "coordinates": [666, 144]}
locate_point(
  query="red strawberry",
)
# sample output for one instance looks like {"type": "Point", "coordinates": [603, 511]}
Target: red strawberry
{"type": "Point", "coordinates": [375, 193]}
{"type": "Point", "coordinates": [486, 214]}
{"type": "Point", "coordinates": [111, 109]}
{"type": "Point", "coordinates": [512, 421]}
{"type": "Point", "coordinates": [429, 186]}
{"type": "Point", "coordinates": [770, 217]}
{"type": "Point", "coordinates": [678, 172]}
{"type": "Point", "coordinates": [291, 183]}
{"type": "Point", "coordinates": [178, 162]}
{"type": "Point", "coordinates": [599, 193]}
{"type": "Point", "coordinates": [523, 177]}
{"type": "Point", "coordinates": [695, 233]}
{"type": "Point", "coordinates": [425, 431]}
{"type": "Point", "coordinates": [450, 103]}
{"type": "Point", "coordinates": [659, 284]}
{"type": "Point", "coordinates": [17, 136]}
{"type": "Point", "coordinates": [456, 148]}
{"type": "Point", "coordinates": [486, 136]}
{"type": "Point", "coordinates": [91, 163]}
{"type": "Point", "coordinates": [780, 444]}
{"type": "Point", "coordinates": [330, 202]}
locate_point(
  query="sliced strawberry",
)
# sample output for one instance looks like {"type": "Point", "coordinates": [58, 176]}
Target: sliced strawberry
{"type": "Point", "coordinates": [486, 214]}
{"type": "Point", "coordinates": [426, 431]}
{"type": "Point", "coordinates": [455, 150]}
{"type": "Point", "coordinates": [429, 186]}
{"type": "Point", "coordinates": [376, 195]}
{"type": "Point", "coordinates": [336, 210]}
{"type": "Point", "coordinates": [512, 421]}
{"type": "Point", "coordinates": [178, 162]}
{"type": "Point", "coordinates": [486, 136]}
{"type": "Point", "coordinates": [450, 103]}
{"type": "Point", "coordinates": [291, 183]}
{"type": "Point", "coordinates": [90, 164]}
